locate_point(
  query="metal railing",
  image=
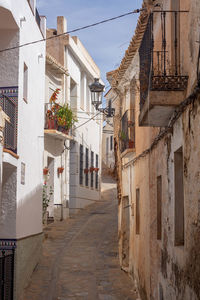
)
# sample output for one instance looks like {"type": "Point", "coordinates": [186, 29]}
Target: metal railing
{"type": "Point", "coordinates": [9, 104]}
{"type": "Point", "coordinates": [160, 66]}
{"type": "Point", "coordinates": [127, 133]}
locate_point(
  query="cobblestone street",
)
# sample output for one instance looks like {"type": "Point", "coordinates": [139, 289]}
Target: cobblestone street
{"type": "Point", "coordinates": [80, 258]}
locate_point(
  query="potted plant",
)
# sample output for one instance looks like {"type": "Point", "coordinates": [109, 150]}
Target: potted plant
{"type": "Point", "coordinates": [45, 171]}
{"type": "Point", "coordinates": [65, 117]}
{"type": "Point", "coordinates": [96, 169]}
{"type": "Point", "coordinates": [130, 144]}
{"type": "Point", "coordinates": [86, 171]}
{"type": "Point", "coordinates": [123, 136]}
{"type": "Point", "coordinates": [60, 170]}
{"type": "Point", "coordinates": [91, 169]}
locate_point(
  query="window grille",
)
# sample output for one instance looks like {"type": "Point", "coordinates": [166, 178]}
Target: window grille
{"type": "Point", "coordinates": [92, 173]}
{"type": "Point", "coordinates": [9, 104]}
{"type": "Point", "coordinates": [81, 165]}
{"type": "Point", "coordinates": [86, 166]}
{"type": "Point", "coordinates": [96, 173]}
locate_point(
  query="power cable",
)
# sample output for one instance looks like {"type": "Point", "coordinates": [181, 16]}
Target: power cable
{"type": "Point", "coordinates": [73, 30]}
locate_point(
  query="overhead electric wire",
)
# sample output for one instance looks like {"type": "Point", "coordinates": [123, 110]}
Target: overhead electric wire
{"type": "Point", "coordinates": [73, 30]}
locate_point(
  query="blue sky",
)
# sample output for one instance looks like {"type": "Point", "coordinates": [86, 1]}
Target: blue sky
{"type": "Point", "coordinates": [106, 43]}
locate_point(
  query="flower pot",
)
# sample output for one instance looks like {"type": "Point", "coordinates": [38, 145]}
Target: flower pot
{"type": "Point", "coordinates": [60, 170]}
{"type": "Point", "coordinates": [91, 169]}
{"type": "Point", "coordinates": [51, 124]}
{"type": "Point", "coordinates": [130, 144]}
{"type": "Point", "coordinates": [45, 171]}
{"type": "Point", "coordinates": [96, 169]}
{"type": "Point", "coordinates": [86, 171]}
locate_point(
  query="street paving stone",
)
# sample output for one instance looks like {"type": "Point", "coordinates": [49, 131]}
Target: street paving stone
{"type": "Point", "coordinates": [80, 260]}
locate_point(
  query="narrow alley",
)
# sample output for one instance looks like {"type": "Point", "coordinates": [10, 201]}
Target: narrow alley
{"type": "Point", "coordinates": [80, 258]}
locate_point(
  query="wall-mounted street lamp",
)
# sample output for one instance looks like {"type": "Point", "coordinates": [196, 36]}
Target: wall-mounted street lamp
{"type": "Point", "coordinates": [96, 89]}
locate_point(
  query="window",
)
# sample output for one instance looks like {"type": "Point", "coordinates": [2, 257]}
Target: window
{"type": "Point", "coordinates": [137, 211]}
{"type": "Point", "coordinates": [82, 102]}
{"type": "Point", "coordinates": [96, 173]}
{"type": "Point", "coordinates": [179, 197]}
{"type": "Point", "coordinates": [127, 134]}
{"type": "Point", "coordinates": [92, 173]}
{"type": "Point", "coordinates": [81, 165]}
{"type": "Point", "coordinates": [86, 166]}
{"type": "Point", "coordinates": [107, 145]}
{"type": "Point", "coordinates": [111, 143]}
{"type": "Point", "coordinates": [159, 207]}
{"type": "Point", "coordinates": [25, 88]}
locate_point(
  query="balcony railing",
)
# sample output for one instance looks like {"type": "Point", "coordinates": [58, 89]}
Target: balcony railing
{"type": "Point", "coordinates": [160, 67]}
{"type": "Point", "coordinates": [127, 133]}
{"type": "Point", "coordinates": [9, 104]}
{"type": "Point", "coordinates": [51, 123]}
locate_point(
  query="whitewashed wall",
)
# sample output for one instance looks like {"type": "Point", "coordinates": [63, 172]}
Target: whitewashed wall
{"type": "Point", "coordinates": [30, 120]}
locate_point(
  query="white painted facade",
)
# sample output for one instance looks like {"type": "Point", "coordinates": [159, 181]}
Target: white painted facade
{"type": "Point", "coordinates": [108, 156]}
{"type": "Point", "coordinates": [82, 71]}
{"type": "Point", "coordinates": [56, 154]}
{"type": "Point", "coordinates": [22, 85]}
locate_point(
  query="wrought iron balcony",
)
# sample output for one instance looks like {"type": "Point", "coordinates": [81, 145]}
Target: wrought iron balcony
{"type": "Point", "coordinates": [9, 104]}
{"type": "Point", "coordinates": [160, 64]}
{"type": "Point", "coordinates": [127, 133]}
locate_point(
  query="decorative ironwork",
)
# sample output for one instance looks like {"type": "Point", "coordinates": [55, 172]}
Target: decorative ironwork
{"type": "Point", "coordinates": [160, 68]}
{"type": "Point", "coordinates": [9, 104]}
{"type": "Point", "coordinates": [169, 83]}
{"type": "Point", "coordinates": [127, 134]}
{"type": "Point", "coordinates": [7, 250]}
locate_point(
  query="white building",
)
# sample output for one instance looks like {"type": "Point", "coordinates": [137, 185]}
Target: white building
{"type": "Point", "coordinates": [56, 143]}
{"type": "Point", "coordinates": [85, 149]}
{"type": "Point", "coordinates": [108, 156]}
{"type": "Point", "coordinates": [22, 90]}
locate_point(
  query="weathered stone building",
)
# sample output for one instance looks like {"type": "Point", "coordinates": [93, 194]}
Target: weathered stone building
{"type": "Point", "coordinates": [156, 130]}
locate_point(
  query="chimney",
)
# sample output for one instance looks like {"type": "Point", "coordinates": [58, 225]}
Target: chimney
{"type": "Point", "coordinates": [61, 25]}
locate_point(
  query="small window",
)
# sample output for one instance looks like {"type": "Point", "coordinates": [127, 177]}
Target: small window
{"type": "Point", "coordinates": [159, 207]}
{"type": "Point", "coordinates": [81, 165]}
{"type": "Point", "coordinates": [137, 211]}
{"type": "Point", "coordinates": [25, 87]}
{"type": "Point", "coordinates": [107, 145]}
{"type": "Point", "coordinates": [111, 143]}
{"type": "Point", "coordinates": [179, 197]}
